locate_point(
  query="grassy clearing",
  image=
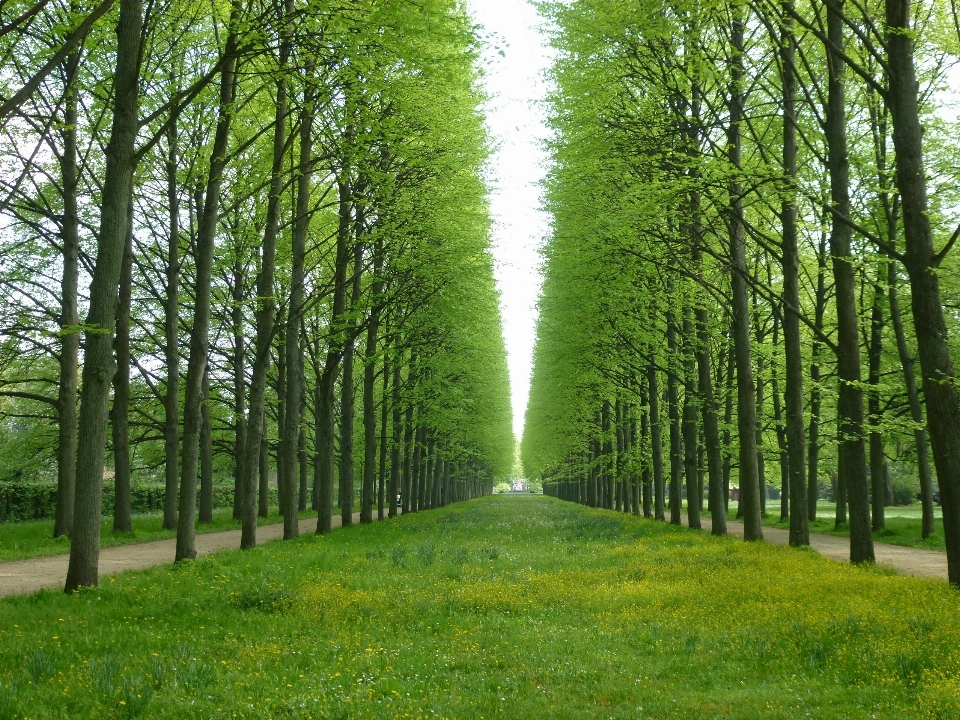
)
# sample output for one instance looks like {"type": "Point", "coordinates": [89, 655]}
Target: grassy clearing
{"type": "Point", "coordinates": [34, 538]}
{"type": "Point", "coordinates": [903, 524]}
{"type": "Point", "coordinates": [501, 608]}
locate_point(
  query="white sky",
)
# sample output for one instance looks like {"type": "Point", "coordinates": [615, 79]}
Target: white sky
{"type": "Point", "coordinates": [515, 83]}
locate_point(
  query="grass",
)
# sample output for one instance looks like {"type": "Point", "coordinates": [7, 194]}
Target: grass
{"type": "Point", "coordinates": [34, 538]}
{"type": "Point", "coordinates": [903, 524]}
{"type": "Point", "coordinates": [507, 607]}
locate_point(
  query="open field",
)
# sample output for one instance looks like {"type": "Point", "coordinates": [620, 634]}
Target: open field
{"type": "Point", "coordinates": [34, 538]}
{"type": "Point", "coordinates": [518, 607]}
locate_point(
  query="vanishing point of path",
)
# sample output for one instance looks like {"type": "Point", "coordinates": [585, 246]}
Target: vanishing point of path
{"type": "Point", "coordinates": [26, 576]}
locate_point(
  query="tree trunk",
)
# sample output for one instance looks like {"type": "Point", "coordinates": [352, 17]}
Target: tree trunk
{"type": "Point", "coordinates": [256, 434]}
{"type": "Point", "coordinates": [326, 421]}
{"type": "Point", "coordinates": [813, 446]}
{"type": "Point", "coordinates": [384, 441]}
{"type": "Point", "coordinates": [916, 408]}
{"type": "Point", "coordinates": [673, 410]}
{"type": "Point", "coordinates": [347, 390]}
{"type": "Point", "coordinates": [746, 410]}
{"type": "Point", "coordinates": [69, 314]}
{"type": "Point", "coordinates": [936, 365]}
{"type": "Point", "coordinates": [878, 463]}
{"type": "Point", "coordinates": [171, 325]}
{"type": "Point", "coordinates": [656, 443]}
{"type": "Point", "coordinates": [852, 467]}
{"type": "Point", "coordinates": [200, 332]}
{"type": "Point", "coordinates": [206, 454]}
{"type": "Point", "coordinates": [120, 414]}
{"type": "Point", "coordinates": [98, 355]}
{"type": "Point", "coordinates": [792, 343]}
{"type": "Point", "coordinates": [369, 407]}
{"type": "Point", "coordinates": [263, 467]}
{"type": "Point", "coordinates": [396, 440]}
{"type": "Point", "coordinates": [689, 423]}
{"type": "Point", "coordinates": [239, 389]}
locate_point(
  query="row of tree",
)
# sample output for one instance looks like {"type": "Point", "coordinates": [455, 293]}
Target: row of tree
{"type": "Point", "coordinates": [278, 210]}
{"type": "Point", "coordinates": [741, 193]}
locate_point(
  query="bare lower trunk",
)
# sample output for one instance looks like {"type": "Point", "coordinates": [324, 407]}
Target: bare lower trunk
{"type": "Point", "coordinates": [199, 333]}
{"type": "Point", "coordinates": [916, 408]}
{"type": "Point", "coordinates": [689, 424]}
{"type": "Point", "coordinates": [673, 411]}
{"type": "Point", "coordinates": [852, 467]}
{"type": "Point", "coordinates": [206, 454]}
{"type": "Point", "coordinates": [98, 356]}
{"type": "Point", "coordinates": [878, 463]}
{"type": "Point", "coordinates": [793, 351]}
{"type": "Point", "coordinates": [69, 314]}
{"type": "Point", "coordinates": [656, 442]}
{"type": "Point", "coordinates": [120, 413]}
{"type": "Point", "coordinates": [746, 410]}
{"type": "Point", "coordinates": [255, 439]}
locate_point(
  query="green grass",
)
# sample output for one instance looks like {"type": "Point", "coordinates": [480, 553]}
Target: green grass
{"type": "Point", "coordinates": [34, 538]}
{"type": "Point", "coordinates": [903, 524]}
{"type": "Point", "coordinates": [507, 607]}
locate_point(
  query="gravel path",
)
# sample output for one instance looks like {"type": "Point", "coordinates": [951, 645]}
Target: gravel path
{"type": "Point", "coordinates": [27, 576]}
{"type": "Point", "coordinates": [905, 560]}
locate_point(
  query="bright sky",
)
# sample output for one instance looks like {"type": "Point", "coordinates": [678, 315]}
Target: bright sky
{"type": "Point", "coordinates": [515, 83]}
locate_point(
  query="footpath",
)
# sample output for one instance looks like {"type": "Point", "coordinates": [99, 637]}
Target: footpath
{"type": "Point", "coordinates": [27, 576]}
{"type": "Point", "coordinates": [905, 560]}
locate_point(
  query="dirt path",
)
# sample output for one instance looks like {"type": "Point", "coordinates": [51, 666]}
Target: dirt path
{"type": "Point", "coordinates": [27, 576]}
{"type": "Point", "coordinates": [905, 560]}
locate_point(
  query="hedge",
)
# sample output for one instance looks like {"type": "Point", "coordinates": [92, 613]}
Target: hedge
{"type": "Point", "coordinates": [37, 499]}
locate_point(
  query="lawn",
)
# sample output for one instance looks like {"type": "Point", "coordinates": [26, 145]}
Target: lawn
{"type": "Point", "coordinates": [34, 538]}
{"type": "Point", "coordinates": [506, 607]}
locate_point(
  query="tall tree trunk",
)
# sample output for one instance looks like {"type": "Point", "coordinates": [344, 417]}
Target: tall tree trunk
{"type": "Point", "coordinates": [793, 350]}
{"type": "Point", "coordinates": [608, 458]}
{"type": "Point", "coordinates": [786, 499]}
{"type": "Point", "coordinates": [746, 409]}
{"type": "Point", "coordinates": [302, 462]}
{"type": "Point", "coordinates": [619, 475]}
{"type": "Point", "coordinates": [265, 310]}
{"type": "Point", "coordinates": [852, 467]}
{"type": "Point", "coordinates": [813, 445]}
{"type": "Point", "coordinates": [369, 406]}
{"type": "Point", "coordinates": [916, 408]}
{"type": "Point", "coordinates": [384, 440]}
{"type": "Point", "coordinates": [294, 387]}
{"type": "Point", "coordinates": [347, 389]}
{"type": "Point", "coordinates": [206, 454]}
{"type": "Point", "coordinates": [673, 410]}
{"type": "Point", "coordinates": [263, 484]}
{"type": "Point", "coordinates": [98, 355]}
{"type": "Point", "coordinates": [69, 314]}
{"type": "Point", "coordinates": [656, 442]}
{"type": "Point", "coordinates": [936, 365]}
{"type": "Point", "coordinates": [878, 463]}
{"type": "Point", "coordinates": [239, 388]}
{"type": "Point", "coordinates": [171, 325]}
{"type": "Point", "coordinates": [120, 413]}
{"type": "Point", "coordinates": [689, 423]}
{"type": "Point", "coordinates": [200, 332]}
{"type": "Point", "coordinates": [396, 440]}
{"type": "Point", "coordinates": [326, 422]}
{"type": "Point", "coordinates": [647, 474]}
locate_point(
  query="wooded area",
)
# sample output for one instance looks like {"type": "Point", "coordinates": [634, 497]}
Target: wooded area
{"type": "Point", "coordinates": [272, 219]}
{"type": "Point", "coordinates": [749, 270]}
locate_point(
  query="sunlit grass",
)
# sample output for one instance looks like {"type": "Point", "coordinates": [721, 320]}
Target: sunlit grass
{"type": "Point", "coordinates": [506, 607]}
